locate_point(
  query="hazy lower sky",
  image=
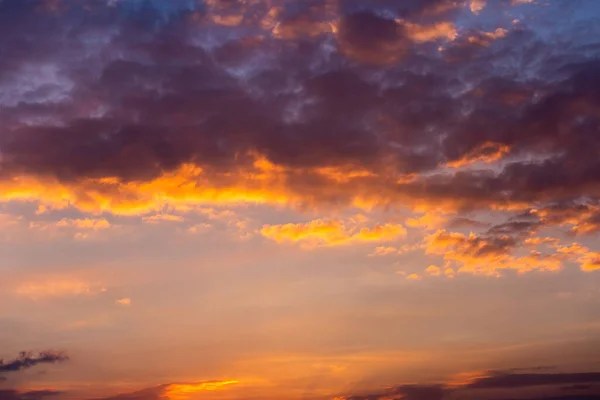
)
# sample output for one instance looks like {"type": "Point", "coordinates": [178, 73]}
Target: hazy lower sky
{"type": "Point", "coordinates": [299, 199]}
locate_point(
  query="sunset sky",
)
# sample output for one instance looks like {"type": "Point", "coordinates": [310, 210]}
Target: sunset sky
{"type": "Point", "coordinates": [299, 199]}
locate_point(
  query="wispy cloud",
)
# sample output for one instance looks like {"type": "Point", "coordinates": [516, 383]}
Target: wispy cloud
{"type": "Point", "coordinates": [27, 360]}
{"type": "Point", "coordinates": [331, 233]}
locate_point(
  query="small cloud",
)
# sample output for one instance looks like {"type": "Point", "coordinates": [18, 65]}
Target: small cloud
{"type": "Point", "coordinates": [476, 6]}
{"type": "Point", "coordinates": [449, 273]}
{"type": "Point", "coordinates": [199, 228]}
{"type": "Point", "coordinates": [433, 270]}
{"type": "Point", "coordinates": [157, 218]}
{"type": "Point", "coordinates": [27, 360]}
{"type": "Point", "coordinates": [488, 152]}
{"type": "Point", "coordinates": [125, 301]}
{"type": "Point", "coordinates": [427, 33]}
{"type": "Point", "coordinates": [414, 277]}
{"type": "Point", "coordinates": [87, 224]}
{"type": "Point", "coordinates": [84, 223]}
{"type": "Point", "coordinates": [428, 221]}
{"type": "Point", "coordinates": [381, 251]}
{"type": "Point", "coordinates": [58, 288]}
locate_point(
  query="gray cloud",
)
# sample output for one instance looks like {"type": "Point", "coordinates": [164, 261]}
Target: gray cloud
{"type": "Point", "coordinates": [27, 360]}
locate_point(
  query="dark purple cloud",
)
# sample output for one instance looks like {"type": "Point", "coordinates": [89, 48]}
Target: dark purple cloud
{"type": "Point", "coordinates": [8, 394]}
{"type": "Point", "coordinates": [509, 380]}
{"type": "Point", "coordinates": [506, 385]}
{"type": "Point", "coordinates": [27, 360]}
{"type": "Point", "coordinates": [136, 89]}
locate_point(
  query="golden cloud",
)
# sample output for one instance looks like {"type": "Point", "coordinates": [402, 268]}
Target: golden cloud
{"type": "Point", "coordinates": [184, 391]}
{"type": "Point", "coordinates": [258, 182]}
{"type": "Point", "coordinates": [588, 260]}
{"type": "Point", "coordinates": [487, 256]}
{"type": "Point", "coordinates": [331, 233]}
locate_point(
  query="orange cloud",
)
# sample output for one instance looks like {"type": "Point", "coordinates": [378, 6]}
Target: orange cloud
{"type": "Point", "coordinates": [126, 301]}
{"type": "Point", "coordinates": [331, 233]}
{"type": "Point", "coordinates": [428, 221]}
{"type": "Point", "coordinates": [588, 260]}
{"type": "Point", "coordinates": [433, 270]}
{"type": "Point", "coordinates": [414, 277]}
{"type": "Point", "coordinates": [184, 391]}
{"type": "Point", "coordinates": [256, 180]}
{"type": "Point", "coordinates": [487, 153]}
{"type": "Point", "coordinates": [431, 32]}
{"type": "Point", "coordinates": [476, 6]}
{"type": "Point", "coordinates": [485, 38]}
{"type": "Point", "coordinates": [474, 254]}
{"type": "Point", "coordinates": [302, 27]}
{"type": "Point", "coordinates": [584, 219]}
{"type": "Point", "coordinates": [58, 287]}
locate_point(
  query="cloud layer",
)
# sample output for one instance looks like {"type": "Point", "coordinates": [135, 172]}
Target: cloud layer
{"type": "Point", "coordinates": [124, 106]}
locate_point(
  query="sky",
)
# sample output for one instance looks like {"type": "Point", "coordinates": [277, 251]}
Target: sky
{"type": "Point", "coordinates": [299, 199]}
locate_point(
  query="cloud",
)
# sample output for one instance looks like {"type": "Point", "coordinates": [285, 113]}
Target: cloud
{"type": "Point", "coordinates": [27, 360]}
{"type": "Point", "coordinates": [486, 153]}
{"type": "Point", "coordinates": [58, 287]}
{"type": "Point", "coordinates": [427, 221]}
{"type": "Point", "coordinates": [433, 270]}
{"type": "Point", "coordinates": [321, 105]}
{"type": "Point", "coordinates": [426, 33]}
{"type": "Point", "coordinates": [476, 6]}
{"type": "Point", "coordinates": [488, 255]}
{"type": "Point", "coordinates": [93, 224]}
{"type": "Point", "coordinates": [540, 386]}
{"type": "Point", "coordinates": [588, 260]}
{"type": "Point", "coordinates": [174, 391]}
{"type": "Point", "coordinates": [10, 394]}
{"type": "Point", "coordinates": [157, 218]}
{"type": "Point", "coordinates": [509, 380]}
{"type": "Point", "coordinates": [331, 233]}
{"type": "Point", "coordinates": [125, 301]}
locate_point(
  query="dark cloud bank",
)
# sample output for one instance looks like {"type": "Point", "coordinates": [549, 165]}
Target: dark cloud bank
{"type": "Point", "coordinates": [134, 89]}
{"type": "Point", "coordinates": [502, 385]}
